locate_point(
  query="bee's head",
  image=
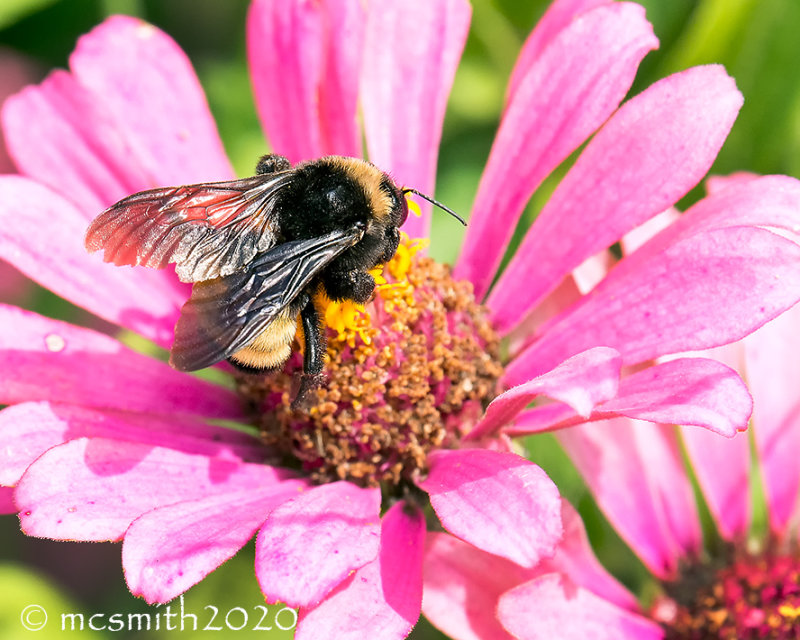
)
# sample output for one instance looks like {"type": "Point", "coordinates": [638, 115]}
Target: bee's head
{"type": "Point", "coordinates": [398, 205]}
{"type": "Point", "coordinates": [395, 201]}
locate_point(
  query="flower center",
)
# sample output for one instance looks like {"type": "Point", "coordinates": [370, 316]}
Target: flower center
{"type": "Point", "coordinates": [409, 372]}
{"type": "Point", "coordinates": [749, 597]}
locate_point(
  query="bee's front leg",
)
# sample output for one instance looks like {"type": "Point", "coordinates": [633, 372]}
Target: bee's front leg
{"type": "Point", "coordinates": [354, 285]}
{"type": "Point", "coordinates": [312, 376]}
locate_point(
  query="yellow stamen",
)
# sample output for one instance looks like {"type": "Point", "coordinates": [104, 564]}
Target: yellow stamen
{"type": "Point", "coordinates": [788, 611]}
{"type": "Point", "coordinates": [377, 274]}
{"type": "Point", "coordinates": [398, 266]}
{"type": "Point", "coordinates": [413, 207]}
{"type": "Point", "coordinates": [401, 262]}
{"type": "Point", "coordinates": [350, 320]}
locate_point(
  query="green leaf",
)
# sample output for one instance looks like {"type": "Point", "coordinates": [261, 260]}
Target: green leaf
{"type": "Point", "coordinates": [12, 11]}
{"type": "Point", "coordinates": [714, 31]}
{"type": "Point", "coordinates": [26, 597]}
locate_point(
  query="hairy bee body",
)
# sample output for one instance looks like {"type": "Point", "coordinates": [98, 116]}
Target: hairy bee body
{"type": "Point", "coordinates": [270, 349]}
{"type": "Point", "coordinates": [257, 249]}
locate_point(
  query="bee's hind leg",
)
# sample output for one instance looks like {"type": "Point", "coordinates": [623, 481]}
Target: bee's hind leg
{"type": "Point", "coordinates": [313, 360]}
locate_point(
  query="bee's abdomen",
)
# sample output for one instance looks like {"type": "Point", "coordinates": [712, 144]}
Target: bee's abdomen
{"type": "Point", "coordinates": [272, 348]}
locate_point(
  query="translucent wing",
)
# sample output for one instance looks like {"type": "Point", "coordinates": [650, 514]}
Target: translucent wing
{"type": "Point", "coordinates": [209, 230]}
{"type": "Point", "coordinates": [226, 314]}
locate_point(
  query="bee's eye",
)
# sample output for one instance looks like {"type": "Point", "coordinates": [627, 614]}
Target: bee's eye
{"type": "Point", "coordinates": [403, 205]}
{"type": "Point", "coordinates": [397, 202]}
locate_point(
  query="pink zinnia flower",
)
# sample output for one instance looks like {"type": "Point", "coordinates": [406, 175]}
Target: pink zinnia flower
{"type": "Point", "coordinates": [743, 587]}
{"type": "Point", "coordinates": [104, 443]}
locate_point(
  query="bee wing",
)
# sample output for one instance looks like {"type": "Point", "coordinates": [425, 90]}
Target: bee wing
{"type": "Point", "coordinates": [226, 314]}
{"type": "Point", "coordinates": [209, 230]}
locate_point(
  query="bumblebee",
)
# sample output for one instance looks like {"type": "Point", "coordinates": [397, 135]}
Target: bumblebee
{"type": "Point", "coordinates": [257, 249]}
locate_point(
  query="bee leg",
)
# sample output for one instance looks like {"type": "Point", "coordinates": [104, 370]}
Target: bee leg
{"type": "Point", "coordinates": [272, 163]}
{"type": "Point", "coordinates": [312, 376]}
{"type": "Point", "coordinates": [355, 285]}
{"type": "Point", "coordinates": [392, 241]}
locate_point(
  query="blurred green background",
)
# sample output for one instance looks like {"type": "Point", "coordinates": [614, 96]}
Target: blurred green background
{"type": "Point", "coordinates": [755, 39]}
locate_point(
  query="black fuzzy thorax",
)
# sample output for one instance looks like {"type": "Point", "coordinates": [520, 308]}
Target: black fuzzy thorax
{"type": "Point", "coordinates": [324, 197]}
{"type": "Point", "coordinates": [320, 198]}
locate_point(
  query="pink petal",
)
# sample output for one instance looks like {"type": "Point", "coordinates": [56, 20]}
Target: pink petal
{"type": "Point", "coordinates": [722, 467]}
{"type": "Point", "coordinates": [715, 184]}
{"type": "Point", "coordinates": [311, 543]}
{"type": "Point", "coordinates": [49, 360]}
{"type": "Point", "coordinates": [575, 559]}
{"type": "Point", "coordinates": [338, 92]}
{"type": "Point", "coordinates": [591, 271]}
{"type": "Point", "coordinates": [145, 301]}
{"type": "Point", "coordinates": [305, 60]}
{"type": "Point", "coordinates": [582, 382]}
{"type": "Point", "coordinates": [382, 599]}
{"type": "Point", "coordinates": [462, 586]}
{"type": "Point", "coordinates": [634, 239]}
{"type": "Point", "coordinates": [18, 71]}
{"type": "Point", "coordinates": [686, 391]}
{"type": "Point", "coordinates": [770, 201]}
{"type": "Point", "coordinates": [411, 51]}
{"type": "Point", "coordinates": [31, 428]}
{"type": "Point", "coordinates": [704, 290]}
{"type": "Point", "coordinates": [552, 607]}
{"type": "Point", "coordinates": [726, 494]}
{"type": "Point", "coordinates": [565, 295]}
{"type": "Point", "coordinates": [7, 504]}
{"type": "Point", "coordinates": [285, 45]}
{"type": "Point", "coordinates": [172, 548]}
{"type": "Point", "coordinates": [646, 157]}
{"type": "Point", "coordinates": [549, 417]}
{"type": "Point", "coordinates": [94, 488]}
{"type": "Point", "coordinates": [773, 371]}
{"type": "Point", "coordinates": [499, 502]}
{"type": "Point", "coordinates": [556, 18]}
{"type": "Point", "coordinates": [566, 94]}
{"type": "Point", "coordinates": [636, 474]}
{"type": "Point", "coordinates": [63, 136]}
{"type": "Point", "coordinates": [148, 86]}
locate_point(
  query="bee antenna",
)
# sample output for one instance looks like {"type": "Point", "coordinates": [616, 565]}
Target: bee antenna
{"type": "Point", "coordinates": [437, 203]}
